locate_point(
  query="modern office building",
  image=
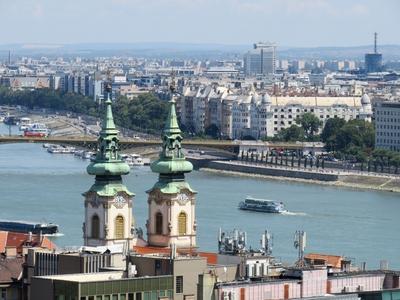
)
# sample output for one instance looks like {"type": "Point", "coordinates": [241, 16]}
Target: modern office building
{"type": "Point", "coordinates": [261, 60]}
{"type": "Point", "coordinates": [373, 61]}
{"type": "Point", "coordinates": [387, 125]}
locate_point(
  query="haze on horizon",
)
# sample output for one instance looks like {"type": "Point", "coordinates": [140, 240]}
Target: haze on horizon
{"type": "Point", "coordinates": [296, 23]}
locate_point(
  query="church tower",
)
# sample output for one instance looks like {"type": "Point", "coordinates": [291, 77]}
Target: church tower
{"type": "Point", "coordinates": [171, 200]}
{"type": "Point", "coordinates": [108, 203]}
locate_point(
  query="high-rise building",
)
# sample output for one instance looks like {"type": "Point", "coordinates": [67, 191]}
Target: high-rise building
{"type": "Point", "coordinates": [261, 60]}
{"type": "Point", "coordinates": [373, 61]}
{"type": "Point", "coordinates": [387, 125]}
{"type": "Point", "coordinates": [108, 203]}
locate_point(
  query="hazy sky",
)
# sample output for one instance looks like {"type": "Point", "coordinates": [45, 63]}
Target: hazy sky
{"type": "Point", "coordinates": [287, 22]}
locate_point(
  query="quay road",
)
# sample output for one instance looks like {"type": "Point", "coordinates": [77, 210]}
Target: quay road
{"type": "Point", "coordinates": [232, 147]}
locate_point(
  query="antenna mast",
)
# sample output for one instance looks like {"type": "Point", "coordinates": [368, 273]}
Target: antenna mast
{"type": "Point", "coordinates": [300, 244]}
{"type": "Point", "coordinates": [375, 42]}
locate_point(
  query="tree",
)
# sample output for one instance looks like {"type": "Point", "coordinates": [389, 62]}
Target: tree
{"type": "Point", "coordinates": [291, 134]}
{"type": "Point", "coordinates": [213, 131]}
{"type": "Point", "coordinates": [355, 133]}
{"type": "Point", "coordinates": [145, 113]}
{"type": "Point", "coordinates": [331, 128]}
{"type": "Point", "coordinates": [310, 123]}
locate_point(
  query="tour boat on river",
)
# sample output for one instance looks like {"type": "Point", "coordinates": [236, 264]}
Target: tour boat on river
{"type": "Point", "coordinates": [262, 205]}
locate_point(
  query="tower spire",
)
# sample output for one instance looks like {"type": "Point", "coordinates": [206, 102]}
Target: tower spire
{"type": "Point", "coordinates": [108, 161]}
{"type": "Point", "coordinates": [172, 160]}
{"type": "Point", "coordinates": [171, 200]}
{"type": "Point", "coordinates": [108, 202]}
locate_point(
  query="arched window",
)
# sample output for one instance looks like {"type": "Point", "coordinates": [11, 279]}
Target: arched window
{"type": "Point", "coordinates": [159, 223]}
{"type": "Point", "coordinates": [95, 227]}
{"type": "Point", "coordinates": [182, 223]}
{"type": "Point", "coordinates": [119, 227]}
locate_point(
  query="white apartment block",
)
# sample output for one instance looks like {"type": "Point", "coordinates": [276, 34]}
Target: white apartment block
{"type": "Point", "coordinates": [247, 113]}
{"type": "Point", "coordinates": [387, 125]}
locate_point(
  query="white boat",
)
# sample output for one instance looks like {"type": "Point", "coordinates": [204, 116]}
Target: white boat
{"type": "Point", "coordinates": [135, 160]}
{"type": "Point", "coordinates": [262, 205]}
{"type": "Point", "coordinates": [88, 155]}
{"type": "Point", "coordinates": [24, 124]}
{"type": "Point", "coordinates": [79, 153]}
{"type": "Point", "coordinates": [56, 149]}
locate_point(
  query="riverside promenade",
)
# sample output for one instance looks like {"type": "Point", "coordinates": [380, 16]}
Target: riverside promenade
{"type": "Point", "coordinates": [329, 176]}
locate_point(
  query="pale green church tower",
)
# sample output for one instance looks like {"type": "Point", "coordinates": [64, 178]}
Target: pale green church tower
{"type": "Point", "coordinates": [171, 201]}
{"type": "Point", "coordinates": [108, 203]}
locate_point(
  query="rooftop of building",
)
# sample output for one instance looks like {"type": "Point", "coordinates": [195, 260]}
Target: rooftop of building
{"type": "Point", "coordinates": [95, 277]}
{"type": "Point", "coordinates": [181, 254]}
{"type": "Point", "coordinates": [18, 240]}
{"type": "Point", "coordinates": [10, 269]}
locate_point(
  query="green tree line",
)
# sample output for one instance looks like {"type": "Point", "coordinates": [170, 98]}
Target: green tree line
{"type": "Point", "coordinates": [145, 113]}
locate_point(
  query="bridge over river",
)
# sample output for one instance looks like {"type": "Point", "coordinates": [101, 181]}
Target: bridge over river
{"type": "Point", "coordinates": [229, 147]}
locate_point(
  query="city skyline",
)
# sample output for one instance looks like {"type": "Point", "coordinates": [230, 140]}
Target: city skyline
{"type": "Point", "coordinates": [304, 23]}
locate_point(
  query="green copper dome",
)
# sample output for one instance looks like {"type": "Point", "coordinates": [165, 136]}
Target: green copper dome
{"type": "Point", "coordinates": [171, 161]}
{"type": "Point", "coordinates": [108, 162]}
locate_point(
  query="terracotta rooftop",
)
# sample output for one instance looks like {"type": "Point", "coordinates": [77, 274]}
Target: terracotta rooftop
{"type": "Point", "coordinates": [331, 260]}
{"type": "Point", "coordinates": [18, 240]}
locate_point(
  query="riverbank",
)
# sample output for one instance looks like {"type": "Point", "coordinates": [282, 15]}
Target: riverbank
{"type": "Point", "coordinates": [363, 182]}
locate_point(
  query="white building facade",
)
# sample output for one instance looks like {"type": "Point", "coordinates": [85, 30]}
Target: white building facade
{"type": "Point", "coordinates": [387, 126]}
{"type": "Point", "coordinates": [239, 114]}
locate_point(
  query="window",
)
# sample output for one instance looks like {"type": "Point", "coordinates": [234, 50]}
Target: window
{"type": "Point", "coordinates": [3, 294]}
{"type": "Point", "coordinates": [159, 223]}
{"type": "Point", "coordinates": [138, 296]}
{"type": "Point", "coordinates": [119, 227]}
{"type": "Point", "coordinates": [182, 223]}
{"type": "Point", "coordinates": [179, 284]}
{"type": "Point", "coordinates": [95, 227]}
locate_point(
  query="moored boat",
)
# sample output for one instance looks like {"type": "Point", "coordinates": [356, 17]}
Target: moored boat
{"type": "Point", "coordinates": [262, 205]}
{"type": "Point", "coordinates": [37, 130]}
{"type": "Point", "coordinates": [24, 124]}
{"type": "Point", "coordinates": [26, 227]}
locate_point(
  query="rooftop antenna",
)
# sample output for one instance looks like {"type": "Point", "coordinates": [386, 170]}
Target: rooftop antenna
{"type": "Point", "coordinates": [9, 57]}
{"type": "Point", "coordinates": [300, 244]}
{"type": "Point", "coordinates": [266, 243]}
{"type": "Point", "coordinates": [375, 42]}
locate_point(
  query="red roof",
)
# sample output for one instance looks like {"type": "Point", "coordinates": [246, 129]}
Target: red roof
{"type": "Point", "coordinates": [330, 260]}
{"type": "Point", "coordinates": [18, 240]}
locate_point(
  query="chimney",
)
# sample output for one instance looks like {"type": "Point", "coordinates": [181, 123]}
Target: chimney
{"type": "Point", "coordinates": [11, 251]}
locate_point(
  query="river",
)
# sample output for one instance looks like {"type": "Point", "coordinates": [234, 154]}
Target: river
{"type": "Point", "coordinates": [364, 225]}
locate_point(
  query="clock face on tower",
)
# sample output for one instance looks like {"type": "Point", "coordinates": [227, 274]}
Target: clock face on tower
{"type": "Point", "coordinates": [119, 201]}
{"type": "Point", "coordinates": [182, 198]}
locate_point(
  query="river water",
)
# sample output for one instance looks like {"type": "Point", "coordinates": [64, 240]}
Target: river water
{"type": "Point", "coordinates": [363, 225]}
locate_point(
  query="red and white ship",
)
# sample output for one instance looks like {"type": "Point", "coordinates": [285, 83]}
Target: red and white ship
{"type": "Point", "coordinates": [37, 130]}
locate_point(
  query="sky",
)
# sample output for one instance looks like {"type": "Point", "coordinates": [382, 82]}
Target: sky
{"type": "Point", "coordinates": [294, 23]}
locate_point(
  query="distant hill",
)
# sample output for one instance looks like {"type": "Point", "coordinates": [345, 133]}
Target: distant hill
{"type": "Point", "coordinates": [188, 50]}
